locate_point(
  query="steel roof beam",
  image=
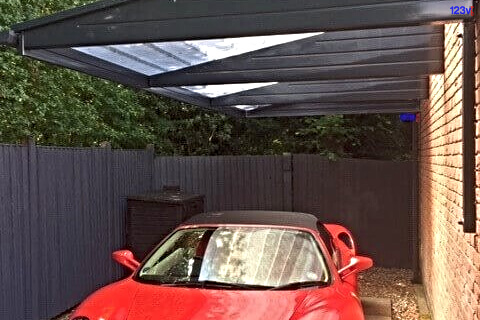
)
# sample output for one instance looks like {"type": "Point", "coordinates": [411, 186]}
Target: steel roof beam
{"type": "Point", "coordinates": [190, 97]}
{"type": "Point", "coordinates": [334, 55]}
{"type": "Point", "coordinates": [384, 95]}
{"type": "Point", "coordinates": [304, 110]}
{"type": "Point", "coordinates": [184, 96]}
{"type": "Point", "coordinates": [359, 71]}
{"type": "Point", "coordinates": [121, 21]}
{"type": "Point", "coordinates": [90, 65]}
{"type": "Point", "coordinates": [390, 89]}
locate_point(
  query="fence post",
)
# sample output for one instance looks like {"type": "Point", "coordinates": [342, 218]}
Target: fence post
{"type": "Point", "coordinates": [150, 152]}
{"type": "Point", "coordinates": [33, 288]}
{"type": "Point", "coordinates": [287, 166]}
{"type": "Point", "coordinates": [109, 178]}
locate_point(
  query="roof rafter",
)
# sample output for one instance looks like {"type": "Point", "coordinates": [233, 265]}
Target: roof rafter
{"type": "Point", "coordinates": [389, 89]}
{"type": "Point", "coordinates": [319, 109]}
{"type": "Point", "coordinates": [387, 52]}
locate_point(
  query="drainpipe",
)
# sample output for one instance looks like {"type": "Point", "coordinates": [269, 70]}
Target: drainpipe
{"type": "Point", "coordinates": [468, 118]}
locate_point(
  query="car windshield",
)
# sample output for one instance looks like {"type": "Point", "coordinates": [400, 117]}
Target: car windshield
{"type": "Point", "coordinates": [254, 257]}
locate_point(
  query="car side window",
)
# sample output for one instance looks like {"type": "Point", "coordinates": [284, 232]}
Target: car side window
{"type": "Point", "coordinates": [328, 240]}
{"type": "Point", "coordinates": [326, 237]}
{"type": "Point", "coordinates": [176, 258]}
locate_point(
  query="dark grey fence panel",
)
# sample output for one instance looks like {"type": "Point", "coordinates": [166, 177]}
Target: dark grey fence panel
{"type": "Point", "coordinates": [372, 198]}
{"type": "Point", "coordinates": [73, 205]}
{"type": "Point", "coordinates": [62, 213]}
{"type": "Point", "coordinates": [14, 227]}
{"type": "Point", "coordinates": [131, 174]}
{"type": "Point", "coordinates": [240, 182]}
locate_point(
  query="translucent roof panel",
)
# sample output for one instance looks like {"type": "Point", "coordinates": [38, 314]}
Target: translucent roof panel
{"type": "Point", "coordinates": [250, 107]}
{"type": "Point", "coordinates": [155, 58]}
{"type": "Point", "coordinates": [218, 90]}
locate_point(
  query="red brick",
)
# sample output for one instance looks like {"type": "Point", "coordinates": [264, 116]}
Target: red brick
{"type": "Point", "coordinates": [450, 259]}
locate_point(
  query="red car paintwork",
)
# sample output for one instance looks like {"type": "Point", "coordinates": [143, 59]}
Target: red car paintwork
{"type": "Point", "coordinates": [129, 299]}
{"type": "Point", "coordinates": [346, 253]}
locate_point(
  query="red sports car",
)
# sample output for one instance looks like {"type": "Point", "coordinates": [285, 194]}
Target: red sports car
{"type": "Point", "coordinates": [238, 265]}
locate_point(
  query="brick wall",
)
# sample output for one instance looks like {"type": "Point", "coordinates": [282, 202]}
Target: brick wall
{"type": "Point", "coordinates": [450, 259]}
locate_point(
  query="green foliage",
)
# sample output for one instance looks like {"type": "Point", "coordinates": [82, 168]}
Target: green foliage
{"type": "Point", "coordinates": [58, 106]}
{"type": "Point", "coordinates": [61, 107]}
{"type": "Point", "coordinates": [359, 136]}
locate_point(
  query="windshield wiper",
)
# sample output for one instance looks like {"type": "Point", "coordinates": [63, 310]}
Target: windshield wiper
{"type": "Point", "coordinates": [299, 285]}
{"type": "Point", "coordinates": [212, 284]}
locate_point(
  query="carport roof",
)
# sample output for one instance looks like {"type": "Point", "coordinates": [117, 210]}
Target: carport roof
{"type": "Point", "coordinates": [253, 57]}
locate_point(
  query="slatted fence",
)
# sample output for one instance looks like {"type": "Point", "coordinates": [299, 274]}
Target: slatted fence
{"type": "Point", "coordinates": [62, 210]}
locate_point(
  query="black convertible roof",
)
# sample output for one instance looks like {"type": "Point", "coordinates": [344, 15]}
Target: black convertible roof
{"type": "Point", "coordinates": [276, 218]}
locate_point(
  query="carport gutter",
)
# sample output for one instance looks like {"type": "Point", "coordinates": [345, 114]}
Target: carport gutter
{"type": "Point", "coordinates": [8, 38]}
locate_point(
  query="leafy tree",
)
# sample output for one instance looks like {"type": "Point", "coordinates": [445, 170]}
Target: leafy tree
{"type": "Point", "coordinates": [62, 107]}
{"type": "Point", "coordinates": [359, 136]}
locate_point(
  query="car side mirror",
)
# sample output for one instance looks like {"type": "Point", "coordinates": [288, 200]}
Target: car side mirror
{"type": "Point", "coordinates": [357, 264]}
{"type": "Point", "coordinates": [126, 259]}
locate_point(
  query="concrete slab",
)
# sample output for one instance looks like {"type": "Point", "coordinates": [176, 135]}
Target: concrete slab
{"type": "Point", "coordinates": [422, 302]}
{"type": "Point", "coordinates": [367, 317]}
{"type": "Point", "coordinates": [378, 307]}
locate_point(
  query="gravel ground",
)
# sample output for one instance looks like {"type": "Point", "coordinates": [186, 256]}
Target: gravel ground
{"type": "Point", "coordinates": [394, 284]}
{"type": "Point", "coordinates": [62, 317]}
{"type": "Point", "coordinates": [382, 283]}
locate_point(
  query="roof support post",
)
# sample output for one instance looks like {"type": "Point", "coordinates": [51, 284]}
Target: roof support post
{"type": "Point", "coordinates": [468, 118]}
{"type": "Point", "coordinates": [417, 272]}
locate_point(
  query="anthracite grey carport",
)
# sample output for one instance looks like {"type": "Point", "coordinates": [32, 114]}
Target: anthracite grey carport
{"type": "Point", "coordinates": [293, 57]}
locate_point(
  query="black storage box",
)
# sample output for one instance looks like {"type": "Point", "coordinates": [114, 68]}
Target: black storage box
{"type": "Point", "coordinates": [152, 216]}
